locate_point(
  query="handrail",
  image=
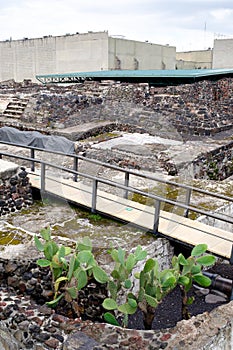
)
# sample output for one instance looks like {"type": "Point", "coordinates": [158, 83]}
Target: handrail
{"type": "Point", "coordinates": [127, 172]}
{"type": "Point", "coordinates": [96, 180]}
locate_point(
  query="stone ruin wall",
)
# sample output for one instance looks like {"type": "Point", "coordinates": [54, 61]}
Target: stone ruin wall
{"type": "Point", "coordinates": [182, 112]}
{"type": "Point", "coordinates": [214, 165]}
{"type": "Point", "coordinates": [15, 192]}
{"type": "Point", "coordinates": [208, 331]}
{"type": "Point", "coordinates": [24, 277]}
{"type": "Point", "coordinates": [226, 210]}
{"type": "Point", "coordinates": [202, 108]}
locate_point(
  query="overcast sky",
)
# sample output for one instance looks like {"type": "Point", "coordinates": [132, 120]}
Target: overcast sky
{"type": "Point", "coordinates": [186, 24]}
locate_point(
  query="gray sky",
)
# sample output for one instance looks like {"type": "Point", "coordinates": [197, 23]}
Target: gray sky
{"type": "Point", "coordinates": [188, 25]}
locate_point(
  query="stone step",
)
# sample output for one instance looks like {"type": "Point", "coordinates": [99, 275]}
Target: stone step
{"type": "Point", "coordinates": [15, 106]}
{"type": "Point", "coordinates": [11, 115]}
{"type": "Point", "coordinates": [12, 111]}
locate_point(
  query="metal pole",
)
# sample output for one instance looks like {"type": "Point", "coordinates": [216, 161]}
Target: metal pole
{"type": "Point", "coordinates": [220, 283]}
{"type": "Point", "coordinates": [231, 297]}
{"type": "Point", "coordinates": [32, 162]}
{"type": "Point", "coordinates": [126, 184]}
{"type": "Point", "coordinates": [94, 195]}
{"type": "Point", "coordinates": [75, 167]}
{"type": "Point", "coordinates": [231, 263]}
{"type": "Point", "coordinates": [231, 258]}
{"type": "Point", "coordinates": [42, 177]}
{"type": "Point", "coordinates": [187, 201]}
{"type": "Point", "coordinates": [156, 217]}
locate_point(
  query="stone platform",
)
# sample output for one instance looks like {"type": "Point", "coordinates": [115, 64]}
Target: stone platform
{"type": "Point", "coordinates": [80, 132]}
{"type": "Point", "coordinates": [7, 169]}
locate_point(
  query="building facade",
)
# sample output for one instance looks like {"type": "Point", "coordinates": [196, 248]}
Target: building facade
{"type": "Point", "coordinates": [221, 56]}
{"type": "Point", "coordinates": [223, 53]}
{"type": "Point", "coordinates": [201, 59]}
{"type": "Point", "coordinates": [92, 51]}
{"type": "Point", "coordinates": [95, 51]}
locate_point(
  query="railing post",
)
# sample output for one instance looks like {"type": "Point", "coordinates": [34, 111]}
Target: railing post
{"type": "Point", "coordinates": [231, 257]}
{"type": "Point", "coordinates": [75, 167]}
{"type": "Point", "coordinates": [126, 184]}
{"type": "Point", "coordinates": [231, 262]}
{"type": "Point", "coordinates": [187, 201]}
{"type": "Point", "coordinates": [156, 217]}
{"type": "Point", "coordinates": [42, 177]}
{"type": "Point", "coordinates": [32, 162]}
{"type": "Point", "coordinates": [94, 195]}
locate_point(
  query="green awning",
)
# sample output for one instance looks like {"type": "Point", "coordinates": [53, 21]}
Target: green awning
{"type": "Point", "coordinates": [152, 77]}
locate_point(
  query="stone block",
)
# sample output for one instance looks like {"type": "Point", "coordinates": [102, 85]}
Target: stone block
{"type": "Point", "coordinates": [7, 169]}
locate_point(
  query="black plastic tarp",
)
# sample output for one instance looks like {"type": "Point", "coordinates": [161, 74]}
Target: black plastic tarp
{"type": "Point", "coordinates": [36, 139]}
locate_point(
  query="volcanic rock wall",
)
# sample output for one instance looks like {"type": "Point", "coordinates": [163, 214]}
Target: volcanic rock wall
{"type": "Point", "coordinates": [214, 165]}
{"type": "Point", "coordinates": [15, 192]}
{"type": "Point", "coordinates": [201, 109]}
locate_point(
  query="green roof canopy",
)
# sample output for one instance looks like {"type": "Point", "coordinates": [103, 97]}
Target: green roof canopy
{"type": "Point", "coordinates": [152, 77]}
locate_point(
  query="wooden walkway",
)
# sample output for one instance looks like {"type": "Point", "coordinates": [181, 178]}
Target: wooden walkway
{"type": "Point", "coordinates": [171, 226]}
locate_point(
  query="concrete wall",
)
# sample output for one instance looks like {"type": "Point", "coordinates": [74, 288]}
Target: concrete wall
{"type": "Point", "coordinates": [23, 59]}
{"type": "Point", "coordinates": [223, 53]}
{"type": "Point", "coordinates": [82, 52]}
{"type": "Point", "coordinates": [129, 54]}
{"type": "Point", "coordinates": [181, 64]}
{"type": "Point", "coordinates": [194, 59]}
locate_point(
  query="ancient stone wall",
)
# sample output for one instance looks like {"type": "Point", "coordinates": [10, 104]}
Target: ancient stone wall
{"type": "Point", "coordinates": [214, 165]}
{"type": "Point", "coordinates": [226, 210]}
{"type": "Point", "coordinates": [15, 192]}
{"type": "Point", "coordinates": [31, 323]}
{"type": "Point", "coordinates": [203, 108]}
{"type": "Point", "coordinates": [25, 324]}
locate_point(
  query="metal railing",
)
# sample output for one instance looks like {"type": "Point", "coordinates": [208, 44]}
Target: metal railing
{"type": "Point", "coordinates": [76, 157]}
{"type": "Point", "coordinates": [157, 200]}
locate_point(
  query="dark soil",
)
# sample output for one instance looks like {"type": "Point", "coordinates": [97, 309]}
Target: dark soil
{"type": "Point", "coordinates": [169, 312]}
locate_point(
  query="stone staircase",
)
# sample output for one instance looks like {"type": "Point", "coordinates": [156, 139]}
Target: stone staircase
{"type": "Point", "coordinates": [15, 108]}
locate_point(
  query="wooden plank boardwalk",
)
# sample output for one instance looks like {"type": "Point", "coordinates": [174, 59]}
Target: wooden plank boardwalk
{"type": "Point", "coordinates": [171, 225]}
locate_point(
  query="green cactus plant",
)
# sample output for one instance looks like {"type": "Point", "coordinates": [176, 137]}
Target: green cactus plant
{"type": "Point", "coordinates": [190, 271]}
{"type": "Point", "coordinates": [120, 282]}
{"type": "Point", "coordinates": [154, 284]}
{"type": "Point", "coordinates": [71, 270]}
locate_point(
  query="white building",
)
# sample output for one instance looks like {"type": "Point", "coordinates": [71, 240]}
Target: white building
{"type": "Point", "coordinates": [221, 56]}
{"type": "Point", "coordinates": [223, 53]}
{"type": "Point", "coordinates": [26, 58]}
